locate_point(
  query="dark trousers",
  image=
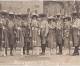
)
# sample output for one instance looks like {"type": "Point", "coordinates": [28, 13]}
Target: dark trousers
{"type": "Point", "coordinates": [60, 48]}
{"type": "Point", "coordinates": [24, 50]}
{"type": "Point", "coordinates": [43, 46]}
{"type": "Point", "coordinates": [59, 40]}
{"type": "Point", "coordinates": [6, 50]}
{"type": "Point", "coordinates": [76, 50]}
{"type": "Point", "coordinates": [11, 49]}
{"type": "Point", "coordinates": [26, 47]}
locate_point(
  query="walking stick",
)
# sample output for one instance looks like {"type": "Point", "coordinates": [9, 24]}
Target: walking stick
{"type": "Point", "coordinates": [70, 31]}
{"type": "Point", "coordinates": [31, 38]}
{"type": "Point", "coordinates": [56, 39]}
{"type": "Point", "coordinates": [69, 43]}
{"type": "Point", "coordinates": [56, 48]}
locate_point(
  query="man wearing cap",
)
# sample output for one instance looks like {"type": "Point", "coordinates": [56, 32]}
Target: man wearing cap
{"type": "Point", "coordinates": [27, 39]}
{"type": "Point", "coordinates": [43, 32]}
{"type": "Point", "coordinates": [59, 34]}
{"type": "Point", "coordinates": [11, 34]}
{"type": "Point", "coordinates": [66, 32]}
{"type": "Point", "coordinates": [27, 36]}
{"type": "Point", "coordinates": [76, 34]}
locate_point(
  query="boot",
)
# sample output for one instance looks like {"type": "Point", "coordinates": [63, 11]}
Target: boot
{"type": "Point", "coordinates": [23, 50]}
{"type": "Point", "coordinates": [6, 51]}
{"type": "Point", "coordinates": [11, 53]}
{"type": "Point", "coordinates": [43, 50]}
{"type": "Point", "coordinates": [28, 47]}
{"type": "Point", "coordinates": [27, 51]}
{"type": "Point", "coordinates": [76, 52]}
{"type": "Point", "coordinates": [11, 49]}
{"type": "Point", "coordinates": [60, 50]}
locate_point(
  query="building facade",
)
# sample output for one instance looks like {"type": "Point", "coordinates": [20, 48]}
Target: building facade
{"type": "Point", "coordinates": [52, 8]}
{"type": "Point", "coordinates": [22, 6]}
{"type": "Point", "coordinates": [47, 7]}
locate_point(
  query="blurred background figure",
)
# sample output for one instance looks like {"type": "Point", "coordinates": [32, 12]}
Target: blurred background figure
{"type": "Point", "coordinates": [43, 32]}
{"type": "Point", "coordinates": [11, 33]}
{"type": "Point", "coordinates": [66, 32]}
{"type": "Point", "coordinates": [35, 34]}
{"type": "Point", "coordinates": [51, 34]}
{"type": "Point", "coordinates": [59, 29]}
{"type": "Point", "coordinates": [76, 34]}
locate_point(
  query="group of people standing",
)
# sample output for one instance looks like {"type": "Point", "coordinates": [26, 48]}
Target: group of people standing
{"type": "Point", "coordinates": [31, 32]}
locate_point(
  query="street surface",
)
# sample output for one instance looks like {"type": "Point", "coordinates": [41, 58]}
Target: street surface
{"type": "Point", "coordinates": [50, 59]}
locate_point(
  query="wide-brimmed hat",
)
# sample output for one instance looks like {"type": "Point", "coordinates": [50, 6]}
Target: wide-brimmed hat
{"type": "Point", "coordinates": [67, 18]}
{"type": "Point", "coordinates": [34, 16]}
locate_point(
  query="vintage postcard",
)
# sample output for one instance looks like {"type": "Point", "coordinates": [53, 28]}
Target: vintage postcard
{"type": "Point", "coordinates": [39, 32]}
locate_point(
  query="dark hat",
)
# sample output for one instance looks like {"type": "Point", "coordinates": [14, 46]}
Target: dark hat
{"type": "Point", "coordinates": [17, 15]}
{"type": "Point", "coordinates": [57, 16]}
{"type": "Point", "coordinates": [34, 16]}
{"type": "Point", "coordinates": [42, 15]}
{"type": "Point", "coordinates": [11, 14]}
{"type": "Point", "coordinates": [3, 12]}
{"type": "Point", "coordinates": [51, 18]}
{"type": "Point", "coordinates": [67, 18]}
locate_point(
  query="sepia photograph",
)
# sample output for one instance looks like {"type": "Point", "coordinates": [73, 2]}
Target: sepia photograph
{"type": "Point", "coordinates": [40, 32]}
